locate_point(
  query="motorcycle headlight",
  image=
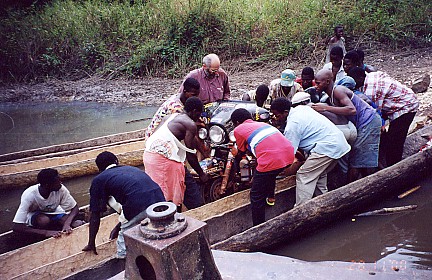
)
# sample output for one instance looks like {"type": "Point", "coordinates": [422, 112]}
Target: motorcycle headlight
{"type": "Point", "coordinates": [264, 117]}
{"type": "Point", "coordinates": [231, 136]}
{"type": "Point", "coordinates": [217, 134]}
{"type": "Point", "coordinates": [202, 133]}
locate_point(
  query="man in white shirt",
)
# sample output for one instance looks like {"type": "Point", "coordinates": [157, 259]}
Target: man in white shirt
{"type": "Point", "coordinates": [46, 208]}
{"type": "Point", "coordinates": [318, 138]}
{"type": "Point", "coordinates": [335, 64]}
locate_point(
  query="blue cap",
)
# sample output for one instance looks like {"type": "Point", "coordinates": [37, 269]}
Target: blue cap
{"type": "Point", "coordinates": [347, 82]}
{"type": "Point", "coordinates": [287, 78]}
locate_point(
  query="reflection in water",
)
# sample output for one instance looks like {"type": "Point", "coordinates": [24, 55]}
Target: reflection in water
{"type": "Point", "coordinates": [395, 241]}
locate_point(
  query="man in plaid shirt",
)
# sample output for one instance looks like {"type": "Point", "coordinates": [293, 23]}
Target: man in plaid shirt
{"type": "Point", "coordinates": [397, 103]}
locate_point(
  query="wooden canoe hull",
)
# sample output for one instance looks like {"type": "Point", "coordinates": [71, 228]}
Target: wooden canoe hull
{"type": "Point", "coordinates": [71, 166]}
{"type": "Point", "coordinates": [71, 148]}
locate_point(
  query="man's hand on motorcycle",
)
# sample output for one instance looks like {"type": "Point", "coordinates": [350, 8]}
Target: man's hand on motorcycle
{"type": "Point", "coordinates": [234, 150]}
{"type": "Point", "coordinates": [200, 123]}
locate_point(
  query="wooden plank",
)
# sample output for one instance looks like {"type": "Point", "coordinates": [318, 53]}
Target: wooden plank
{"type": "Point", "coordinates": [71, 264]}
{"type": "Point", "coordinates": [332, 205]}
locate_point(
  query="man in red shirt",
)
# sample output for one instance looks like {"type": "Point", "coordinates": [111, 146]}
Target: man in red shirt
{"type": "Point", "coordinates": [273, 153]}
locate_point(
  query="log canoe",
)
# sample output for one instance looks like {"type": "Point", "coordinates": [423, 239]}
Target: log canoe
{"type": "Point", "coordinates": [55, 150]}
{"type": "Point", "coordinates": [228, 219]}
{"type": "Point", "coordinates": [71, 160]}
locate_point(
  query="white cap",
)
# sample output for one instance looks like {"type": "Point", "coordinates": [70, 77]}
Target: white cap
{"type": "Point", "coordinates": [300, 97]}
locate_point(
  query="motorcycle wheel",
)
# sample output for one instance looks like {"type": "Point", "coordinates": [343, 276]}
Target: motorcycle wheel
{"type": "Point", "coordinates": [214, 193]}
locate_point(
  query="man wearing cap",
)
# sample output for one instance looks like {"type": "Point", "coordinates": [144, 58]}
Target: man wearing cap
{"type": "Point", "coordinates": [212, 79]}
{"type": "Point", "coordinates": [285, 86]}
{"type": "Point", "coordinates": [348, 128]}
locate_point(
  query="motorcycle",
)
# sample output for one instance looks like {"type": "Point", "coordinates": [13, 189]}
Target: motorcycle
{"type": "Point", "coordinates": [227, 173]}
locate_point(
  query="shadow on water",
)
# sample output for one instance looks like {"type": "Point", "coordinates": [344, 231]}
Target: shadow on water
{"type": "Point", "coordinates": [395, 241]}
{"type": "Point", "coordinates": [28, 126]}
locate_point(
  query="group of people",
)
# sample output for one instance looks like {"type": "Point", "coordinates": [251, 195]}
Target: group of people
{"type": "Point", "coordinates": [335, 116]}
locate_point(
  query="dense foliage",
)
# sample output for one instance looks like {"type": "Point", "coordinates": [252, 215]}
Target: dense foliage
{"type": "Point", "coordinates": [74, 38]}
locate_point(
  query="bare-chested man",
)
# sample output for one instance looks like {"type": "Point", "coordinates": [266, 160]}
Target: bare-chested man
{"type": "Point", "coordinates": [168, 148]}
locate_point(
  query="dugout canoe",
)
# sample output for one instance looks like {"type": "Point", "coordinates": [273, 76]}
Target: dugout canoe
{"type": "Point", "coordinates": [229, 220]}
{"type": "Point", "coordinates": [20, 169]}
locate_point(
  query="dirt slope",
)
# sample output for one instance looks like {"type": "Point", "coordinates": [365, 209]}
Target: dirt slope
{"type": "Point", "coordinates": [404, 65]}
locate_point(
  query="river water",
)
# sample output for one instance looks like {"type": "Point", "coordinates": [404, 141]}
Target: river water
{"type": "Point", "coordinates": [401, 241]}
{"type": "Point", "coordinates": [394, 241]}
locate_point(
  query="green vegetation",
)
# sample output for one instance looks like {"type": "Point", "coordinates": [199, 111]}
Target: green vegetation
{"type": "Point", "coordinates": [75, 38]}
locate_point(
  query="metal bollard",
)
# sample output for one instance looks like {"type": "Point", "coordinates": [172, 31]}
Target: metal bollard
{"type": "Point", "coordinates": [167, 245]}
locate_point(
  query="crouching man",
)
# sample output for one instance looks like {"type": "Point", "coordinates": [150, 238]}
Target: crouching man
{"type": "Point", "coordinates": [129, 186]}
{"type": "Point", "coordinates": [47, 208]}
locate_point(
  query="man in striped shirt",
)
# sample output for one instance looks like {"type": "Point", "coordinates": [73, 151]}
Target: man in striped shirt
{"type": "Point", "coordinates": [272, 151]}
{"type": "Point", "coordinates": [397, 103]}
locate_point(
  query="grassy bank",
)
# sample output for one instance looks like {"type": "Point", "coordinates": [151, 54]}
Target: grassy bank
{"type": "Point", "coordinates": [67, 38]}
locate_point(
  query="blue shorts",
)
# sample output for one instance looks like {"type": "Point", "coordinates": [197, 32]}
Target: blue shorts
{"type": "Point", "coordinates": [52, 217]}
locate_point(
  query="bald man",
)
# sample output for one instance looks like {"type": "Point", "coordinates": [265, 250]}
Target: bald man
{"type": "Point", "coordinates": [213, 80]}
{"type": "Point", "coordinates": [363, 157]}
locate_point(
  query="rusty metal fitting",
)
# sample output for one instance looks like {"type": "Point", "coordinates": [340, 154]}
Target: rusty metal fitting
{"type": "Point", "coordinates": [162, 221]}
